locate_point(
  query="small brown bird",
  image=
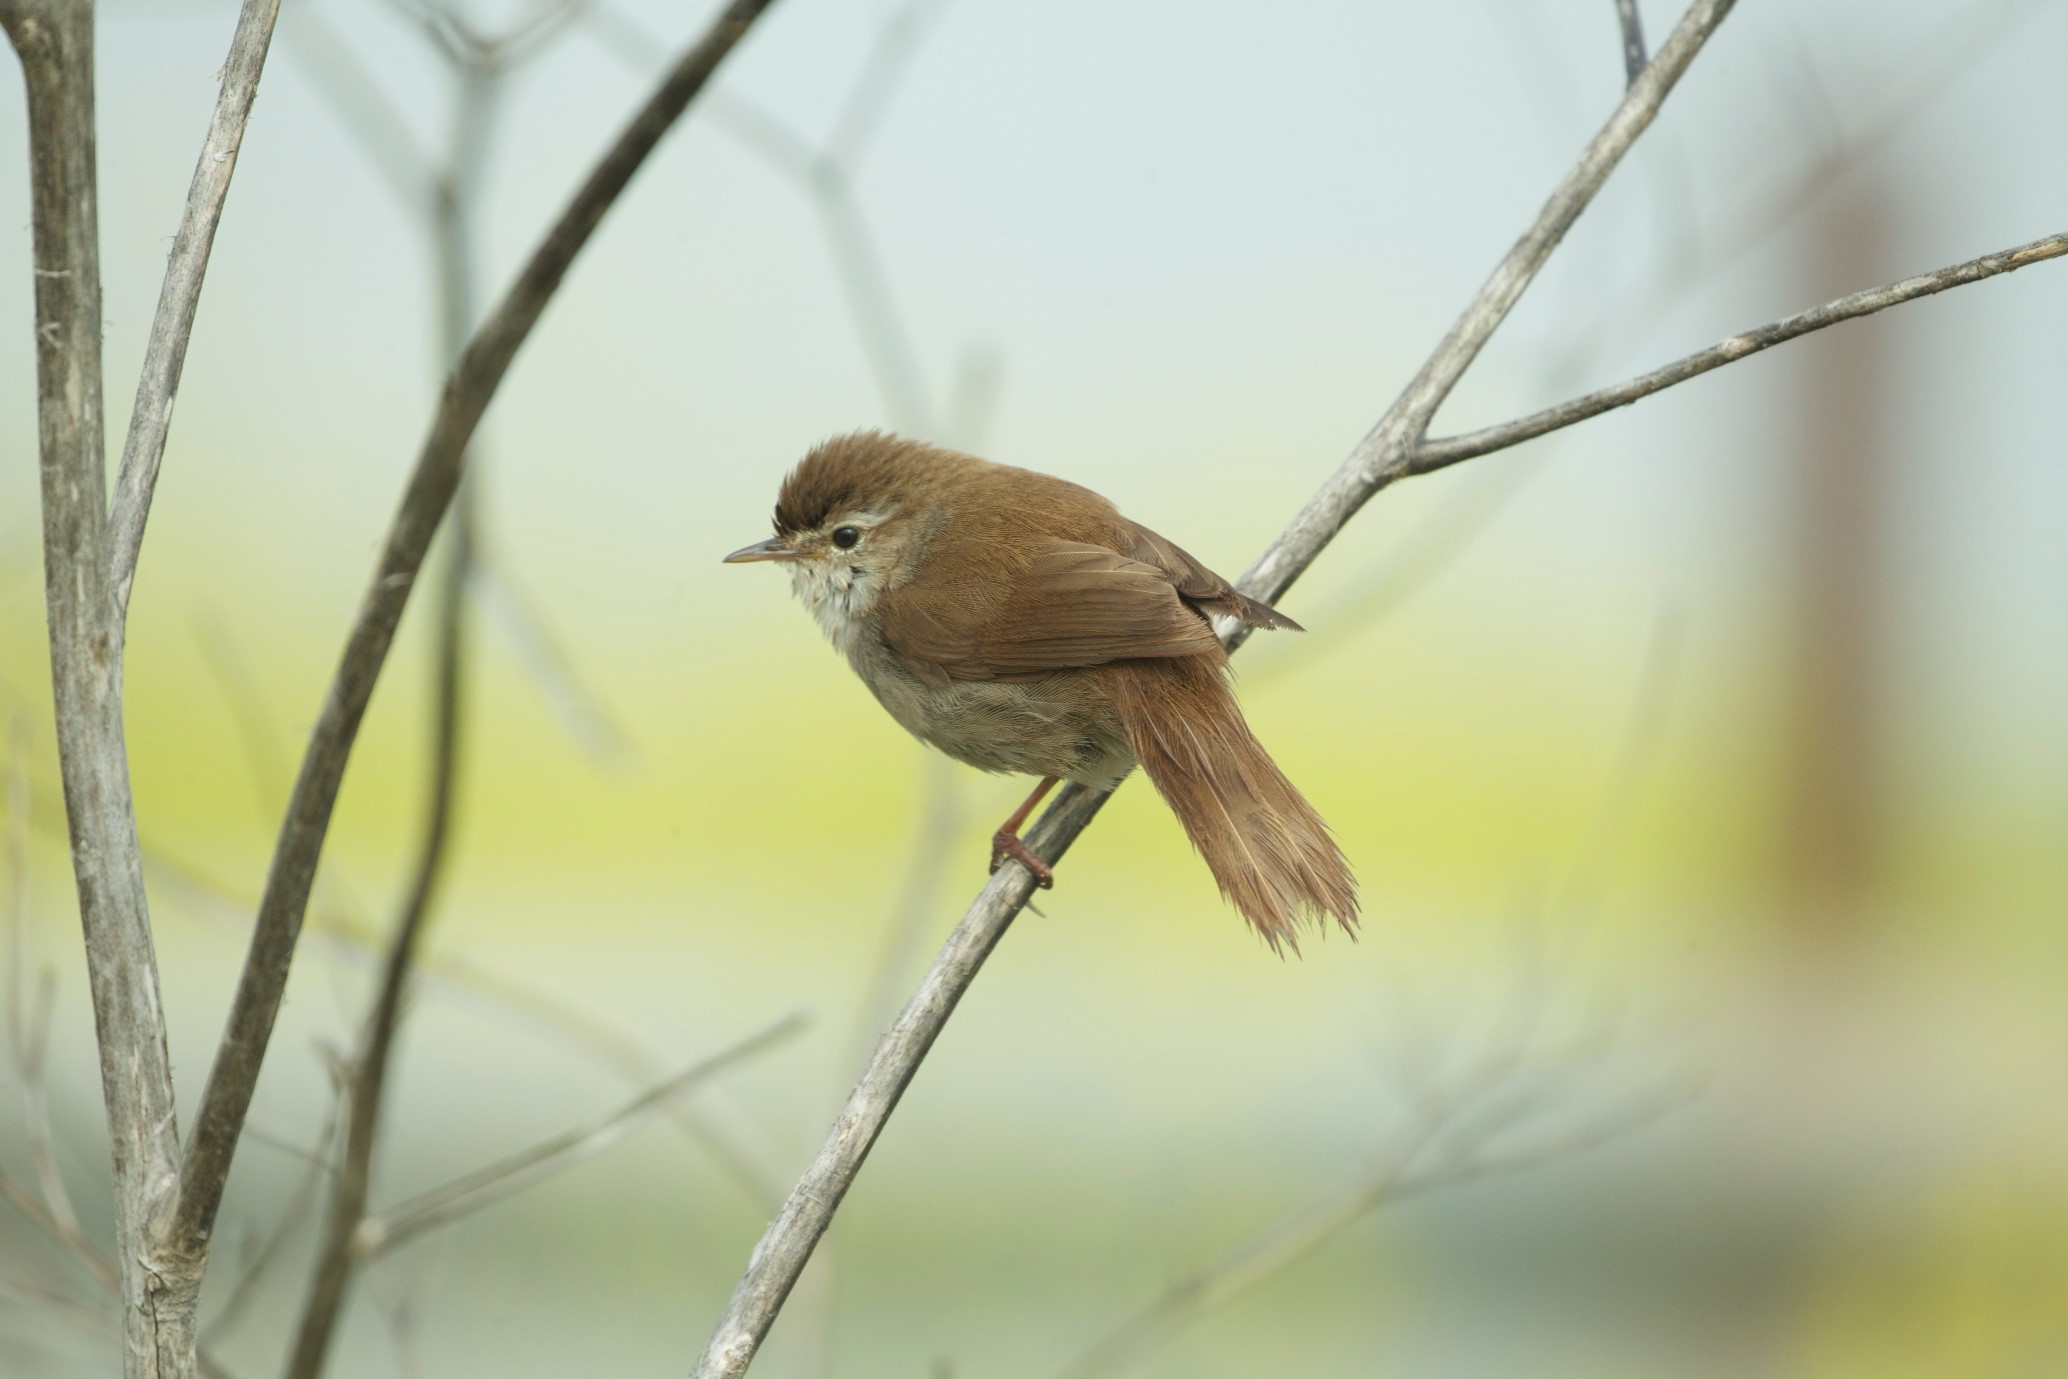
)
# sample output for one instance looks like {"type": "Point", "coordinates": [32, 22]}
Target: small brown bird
{"type": "Point", "coordinates": [1019, 623]}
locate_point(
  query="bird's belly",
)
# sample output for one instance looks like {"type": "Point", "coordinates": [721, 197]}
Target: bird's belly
{"type": "Point", "coordinates": [1057, 726]}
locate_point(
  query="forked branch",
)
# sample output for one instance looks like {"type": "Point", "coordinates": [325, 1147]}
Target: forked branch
{"type": "Point", "coordinates": [166, 354]}
{"type": "Point", "coordinates": [55, 42]}
{"type": "Point", "coordinates": [788, 1243]}
{"type": "Point", "coordinates": [1432, 455]}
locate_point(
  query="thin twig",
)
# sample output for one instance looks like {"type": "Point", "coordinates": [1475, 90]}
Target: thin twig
{"type": "Point", "coordinates": [789, 1240]}
{"type": "Point", "coordinates": [478, 62]}
{"type": "Point", "coordinates": [257, 1267]}
{"type": "Point", "coordinates": [1933, 63]}
{"type": "Point", "coordinates": [1632, 25]}
{"type": "Point", "coordinates": [377, 1235]}
{"type": "Point", "coordinates": [50, 1208]}
{"type": "Point", "coordinates": [365, 1097]}
{"type": "Point", "coordinates": [1432, 455]}
{"type": "Point", "coordinates": [436, 476]}
{"type": "Point", "coordinates": [1445, 1150]}
{"type": "Point", "coordinates": [173, 327]}
{"type": "Point", "coordinates": [54, 1304]}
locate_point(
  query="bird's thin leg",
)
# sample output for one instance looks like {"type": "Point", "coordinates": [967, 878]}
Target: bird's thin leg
{"type": "Point", "coordinates": [1006, 841]}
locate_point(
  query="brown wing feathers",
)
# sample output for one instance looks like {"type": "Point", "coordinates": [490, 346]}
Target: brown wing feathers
{"type": "Point", "coordinates": [1060, 605]}
{"type": "Point", "coordinates": [1199, 585]}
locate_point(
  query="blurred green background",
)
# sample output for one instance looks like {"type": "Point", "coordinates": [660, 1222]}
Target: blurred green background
{"type": "Point", "coordinates": [1704, 766]}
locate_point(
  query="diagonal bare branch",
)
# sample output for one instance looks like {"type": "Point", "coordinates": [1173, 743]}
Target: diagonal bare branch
{"type": "Point", "coordinates": [317, 1166]}
{"type": "Point", "coordinates": [436, 476]}
{"type": "Point", "coordinates": [1432, 1159]}
{"type": "Point", "coordinates": [1432, 455]}
{"type": "Point", "coordinates": [498, 1181]}
{"type": "Point", "coordinates": [1376, 462]}
{"type": "Point", "coordinates": [166, 354]}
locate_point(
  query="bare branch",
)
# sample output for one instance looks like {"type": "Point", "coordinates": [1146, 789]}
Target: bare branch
{"type": "Point", "coordinates": [788, 1242]}
{"type": "Point", "coordinates": [1383, 455]}
{"type": "Point", "coordinates": [55, 1304]}
{"type": "Point", "coordinates": [317, 1167]}
{"type": "Point", "coordinates": [1429, 1161]}
{"type": "Point", "coordinates": [54, 41]}
{"type": "Point", "coordinates": [1377, 461]}
{"type": "Point", "coordinates": [166, 354]}
{"type": "Point", "coordinates": [1632, 25]}
{"type": "Point", "coordinates": [50, 1209]}
{"type": "Point", "coordinates": [1437, 454]}
{"type": "Point", "coordinates": [365, 1092]}
{"type": "Point", "coordinates": [472, 384]}
{"type": "Point", "coordinates": [377, 1235]}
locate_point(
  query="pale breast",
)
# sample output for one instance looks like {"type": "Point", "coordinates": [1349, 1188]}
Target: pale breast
{"type": "Point", "coordinates": [1057, 726]}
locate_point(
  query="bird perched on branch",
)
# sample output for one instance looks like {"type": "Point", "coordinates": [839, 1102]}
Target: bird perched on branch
{"type": "Point", "coordinates": [1019, 623]}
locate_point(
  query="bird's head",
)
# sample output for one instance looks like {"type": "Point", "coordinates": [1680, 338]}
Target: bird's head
{"type": "Point", "coordinates": [851, 521]}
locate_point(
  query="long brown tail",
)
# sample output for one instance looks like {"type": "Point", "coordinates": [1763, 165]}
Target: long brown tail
{"type": "Point", "coordinates": [1268, 849]}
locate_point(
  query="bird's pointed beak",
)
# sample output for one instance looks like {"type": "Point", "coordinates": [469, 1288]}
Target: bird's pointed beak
{"type": "Point", "coordinates": [772, 549]}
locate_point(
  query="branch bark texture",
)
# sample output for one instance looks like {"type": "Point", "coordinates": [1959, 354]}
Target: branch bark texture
{"type": "Point", "coordinates": [54, 41]}
{"type": "Point", "coordinates": [1432, 455]}
{"type": "Point", "coordinates": [467, 392]}
{"type": "Point", "coordinates": [166, 354]}
{"type": "Point", "coordinates": [1377, 461]}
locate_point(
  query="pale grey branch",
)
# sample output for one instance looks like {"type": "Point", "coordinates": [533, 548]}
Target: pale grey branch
{"type": "Point", "coordinates": [55, 42]}
{"type": "Point", "coordinates": [787, 1244]}
{"type": "Point", "coordinates": [1432, 455]}
{"type": "Point", "coordinates": [1384, 454]}
{"type": "Point", "coordinates": [173, 327]}
{"type": "Point", "coordinates": [499, 1181]}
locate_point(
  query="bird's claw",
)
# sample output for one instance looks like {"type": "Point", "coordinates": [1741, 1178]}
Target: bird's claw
{"type": "Point", "coordinates": [1004, 845]}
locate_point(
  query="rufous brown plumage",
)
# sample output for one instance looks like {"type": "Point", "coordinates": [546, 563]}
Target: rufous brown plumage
{"type": "Point", "coordinates": [1019, 623]}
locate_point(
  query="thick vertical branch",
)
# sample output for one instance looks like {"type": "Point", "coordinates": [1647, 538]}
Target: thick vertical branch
{"type": "Point", "coordinates": [55, 43]}
{"type": "Point", "coordinates": [166, 354]}
{"type": "Point", "coordinates": [473, 382]}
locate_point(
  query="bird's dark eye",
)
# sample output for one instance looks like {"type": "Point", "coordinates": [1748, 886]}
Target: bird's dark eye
{"type": "Point", "coordinates": [845, 537]}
